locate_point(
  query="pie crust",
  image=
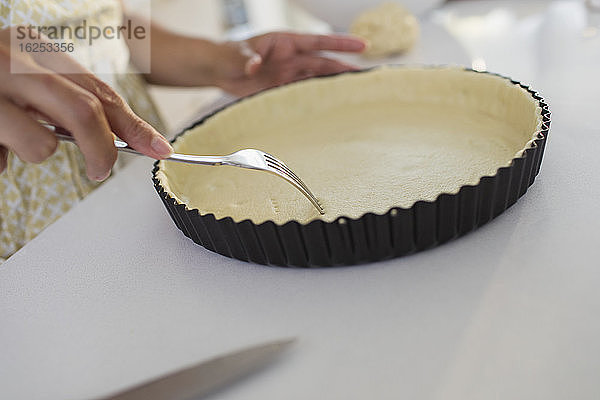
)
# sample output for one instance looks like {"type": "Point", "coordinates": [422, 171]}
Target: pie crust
{"type": "Point", "coordinates": [361, 142]}
{"type": "Point", "coordinates": [401, 158]}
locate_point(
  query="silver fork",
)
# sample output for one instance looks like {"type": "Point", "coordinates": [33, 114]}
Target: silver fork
{"type": "Point", "coordinates": [247, 158]}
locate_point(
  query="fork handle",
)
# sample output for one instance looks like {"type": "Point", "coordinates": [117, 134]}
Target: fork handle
{"type": "Point", "coordinates": [64, 135]}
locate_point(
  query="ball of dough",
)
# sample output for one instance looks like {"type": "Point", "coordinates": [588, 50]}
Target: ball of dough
{"type": "Point", "coordinates": [390, 29]}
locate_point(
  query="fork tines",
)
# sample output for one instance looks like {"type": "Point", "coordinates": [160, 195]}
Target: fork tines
{"type": "Point", "coordinates": [284, 170]}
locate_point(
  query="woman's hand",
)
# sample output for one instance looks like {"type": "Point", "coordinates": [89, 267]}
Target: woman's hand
{"type": "Point", "coordinates": [277, 58]}
{"type": "Point", "coordinates": [240, 68]}
{"type": "Point", "coordinates": [77, 101]}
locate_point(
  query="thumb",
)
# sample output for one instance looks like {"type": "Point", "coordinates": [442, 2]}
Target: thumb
{"type": "Point", "coordinates": [253, 65]}
{"type": "Point", "coordinates": [253, 59]}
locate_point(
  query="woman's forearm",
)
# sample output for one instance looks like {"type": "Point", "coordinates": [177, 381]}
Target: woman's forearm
{"type": "Point", "coordinates": [176, 60]}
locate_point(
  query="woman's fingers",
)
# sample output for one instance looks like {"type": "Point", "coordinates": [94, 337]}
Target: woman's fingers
{"type": "Point", "coordinates": [30, 141]}
{"type": "Point", "coordinates": [73, 108]}
{"type": "Point", "coordinates": [309, 66]}
{"type": "Point", "coordinates": [123, 121]}
{"type": "Point", "coordinates": [66, 103]}
{"type": "Point", "coordinates": [311, 43]}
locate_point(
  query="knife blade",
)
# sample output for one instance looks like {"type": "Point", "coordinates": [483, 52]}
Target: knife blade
{"type": "Point", "coordinates": [206, 377]}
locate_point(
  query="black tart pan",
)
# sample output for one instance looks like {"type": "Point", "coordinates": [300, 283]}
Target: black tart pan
{"type": "Point", "coordinates": [372, 237]}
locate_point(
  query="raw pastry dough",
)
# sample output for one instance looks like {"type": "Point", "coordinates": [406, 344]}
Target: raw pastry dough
{"type": "Point", "coordinates": [389, 28]}
{"type": "Point", "coordinates": [363, 142]}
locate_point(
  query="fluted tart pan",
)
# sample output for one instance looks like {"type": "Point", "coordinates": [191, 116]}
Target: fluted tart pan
{"type": "Point", "coordinates": [420, 208]}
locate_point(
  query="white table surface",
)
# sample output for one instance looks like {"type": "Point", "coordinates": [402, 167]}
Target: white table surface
{"type": "Point", "coordinates": [113, 293]}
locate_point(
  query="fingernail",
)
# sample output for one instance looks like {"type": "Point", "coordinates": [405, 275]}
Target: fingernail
{"type": "Point", "coordinates": [161, 146]}
{"type": "Point", "coordinates": [357, 43]}
{"type": "Point", "coordinates": [361, 45]}
{"type": "Point", "coordinates": [102, 178]}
